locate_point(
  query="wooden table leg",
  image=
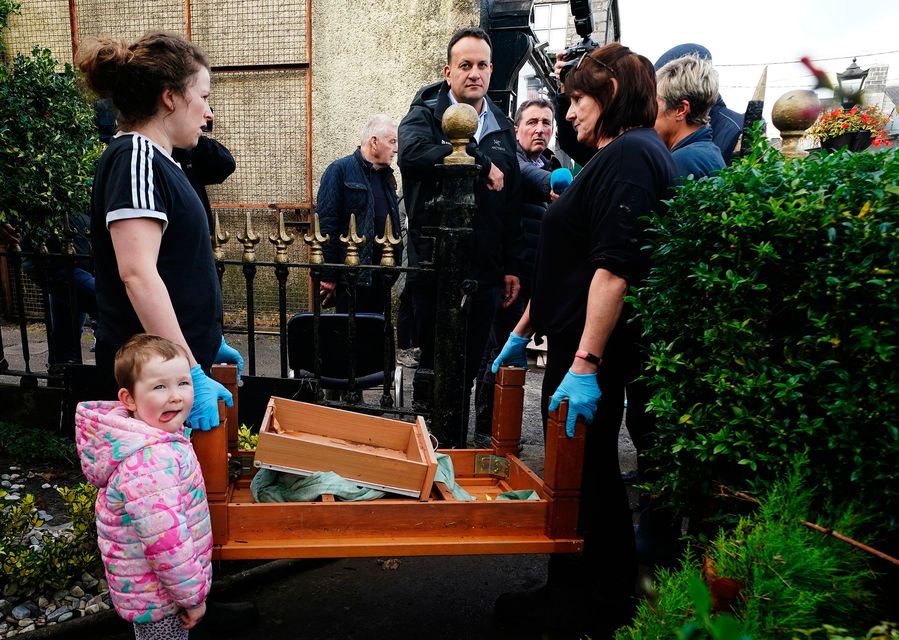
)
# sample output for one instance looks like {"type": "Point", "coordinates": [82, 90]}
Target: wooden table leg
{"type": "Point", "coordinates": [508, 407]}
{"type": "Point", "coordinates": [562, 472]}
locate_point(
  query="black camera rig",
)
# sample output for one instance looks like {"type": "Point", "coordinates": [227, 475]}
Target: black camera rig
{"type": "Point", "coordinates": [584, 25]}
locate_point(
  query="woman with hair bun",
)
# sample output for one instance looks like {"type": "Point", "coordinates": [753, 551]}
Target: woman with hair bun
{"type": "Point", "coordinates": [591, 250]}
{"type": "Point", "coordinates": [155, 269]}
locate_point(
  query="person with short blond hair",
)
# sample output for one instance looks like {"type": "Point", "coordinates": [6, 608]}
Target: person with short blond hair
{"type": "Point", "coordinates": [687, 88]}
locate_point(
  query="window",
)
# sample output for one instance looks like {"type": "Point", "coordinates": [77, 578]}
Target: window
{"type": "Point", "coordinates": [551, 24]}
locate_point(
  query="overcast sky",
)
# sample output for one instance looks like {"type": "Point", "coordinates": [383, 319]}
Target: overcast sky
{"type": "Point", "coordinates": [743, 36]}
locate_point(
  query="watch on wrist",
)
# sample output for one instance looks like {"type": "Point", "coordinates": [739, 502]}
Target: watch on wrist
{"type": "Point", "coordinates": [589, 357]}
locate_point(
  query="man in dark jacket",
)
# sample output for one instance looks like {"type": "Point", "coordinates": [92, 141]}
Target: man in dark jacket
{"type": "Point", "coordinates": [533, 131]}
{"type": "Point", "coordinates": [360, 183]}
{"type": "Point", "coordinates": [498, 241]}
{"type": "Point", "coordinates": [208, 163]}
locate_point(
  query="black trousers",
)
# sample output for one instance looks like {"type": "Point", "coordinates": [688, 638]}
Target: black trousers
{"type": "Point", "coordinates": [606, 572]}
{"type": "Point", "coordinates": [503, 324]}
{"type": "Point", "coordinates": [406, 335]}
{"type": "Point", "coordinates": [481, 312]}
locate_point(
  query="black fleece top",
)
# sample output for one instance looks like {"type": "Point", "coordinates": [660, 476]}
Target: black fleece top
{"type": "Point", "coordinates": [598, 223]}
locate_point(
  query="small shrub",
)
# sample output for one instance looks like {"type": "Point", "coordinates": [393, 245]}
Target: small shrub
{"type": "Point", "coordinates": [794, 579]}
{"type": "Point", "coordinates": [33, 560]}
{"type": "Point", "coordinates": [34, 445]}
{"type": "Point", "coordinates": [246, 439]}
{"type": "Point", "coordinates": [771, 317]}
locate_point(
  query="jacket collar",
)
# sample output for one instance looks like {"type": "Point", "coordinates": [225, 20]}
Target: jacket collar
{"type": "Point", "coordinates": [367, 166]}
{"type": "Point", "coordinates": [443, 103]}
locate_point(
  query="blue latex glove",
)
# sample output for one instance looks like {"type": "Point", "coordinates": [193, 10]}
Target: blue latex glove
{"type": "Point", "coordinates": [229, 355]}
{"type": "Point", "coordinates": [583, 395]}
{"type": "Point", "coordinates": [204, 415]}
{"type": "Point", "coordinates": [513, 354]}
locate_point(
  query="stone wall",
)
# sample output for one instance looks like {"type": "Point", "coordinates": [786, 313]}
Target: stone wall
{"type": "Point", "coordinates": [371, 57]}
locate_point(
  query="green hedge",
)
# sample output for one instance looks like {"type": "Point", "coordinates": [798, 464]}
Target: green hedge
{"type": "Point", "coordinates": [48, 144]}
{"type": "Point", "coordinates": [771, 315]}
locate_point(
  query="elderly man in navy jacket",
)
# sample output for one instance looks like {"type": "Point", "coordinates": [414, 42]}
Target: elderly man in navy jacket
{"type": "Point", "coordinates": [360, 183]}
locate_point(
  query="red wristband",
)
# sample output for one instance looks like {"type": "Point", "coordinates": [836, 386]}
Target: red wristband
{"type": "Point", "coordinates": [589, 357]}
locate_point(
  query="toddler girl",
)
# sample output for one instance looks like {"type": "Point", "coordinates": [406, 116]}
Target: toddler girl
{"type": "Point", "coordinates": [153, 524]}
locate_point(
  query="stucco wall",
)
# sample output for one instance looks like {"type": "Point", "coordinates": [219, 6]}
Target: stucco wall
{"type": "Point", "coordinates": [371, 56]}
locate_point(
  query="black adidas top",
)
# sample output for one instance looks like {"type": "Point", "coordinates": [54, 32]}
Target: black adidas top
{"type": "Point", "coordinates": [135, 178]}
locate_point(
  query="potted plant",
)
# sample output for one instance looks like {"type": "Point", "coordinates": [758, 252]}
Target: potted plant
{"type": "Point", "coordinates": [855, 128]}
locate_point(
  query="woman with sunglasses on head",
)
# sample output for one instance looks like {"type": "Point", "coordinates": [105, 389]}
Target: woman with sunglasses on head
{"type": "Point", "coordinates": [155, 269]}
{"type": "Point", "coordinates": [590, 252]}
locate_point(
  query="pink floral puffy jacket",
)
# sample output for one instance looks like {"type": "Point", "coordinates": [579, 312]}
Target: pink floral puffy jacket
{"type": "Point", "coordinates": [153, 524]}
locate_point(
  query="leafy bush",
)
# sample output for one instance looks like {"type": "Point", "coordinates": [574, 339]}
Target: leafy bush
{"type": "Point", "coordinates": [793, 579]}
{"type": "Point", "coordinates": [32, 559]}
{"type": "Point", "coordinates": [7, 8]}
{"type": "Point", "coordinates": [48, 144]}
{"type": "Point", "coordinates": [29, 445]}
{"type": "Point", "coordinates": [771, 314]}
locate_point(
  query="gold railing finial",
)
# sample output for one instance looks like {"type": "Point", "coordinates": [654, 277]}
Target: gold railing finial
{"type": "Point", "coordinates": [220, 237]}
{"type": "Point", "coordinates": [353, 241]}
{"type": "Point", "coordinates": [281, 240]}
{"type": "Point", "coordinates": [249, 239]}
{"type": "Point", "coordinates": [459, 123]}
{"type": "Point", "coordinates": [389, 242]}
{"type": "Point", "coordinates": [316, 241]}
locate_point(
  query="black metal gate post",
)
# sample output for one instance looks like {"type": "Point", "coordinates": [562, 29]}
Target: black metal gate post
{"type": "Point", "coordinates": [453, 207]}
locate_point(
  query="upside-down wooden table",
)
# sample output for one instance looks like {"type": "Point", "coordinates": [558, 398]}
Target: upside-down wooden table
{"type": "Point", "coordinates": [440, 525]}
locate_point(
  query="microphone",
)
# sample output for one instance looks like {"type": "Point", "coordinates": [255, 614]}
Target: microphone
{"type": "Point", "coordinates": [559, 180]}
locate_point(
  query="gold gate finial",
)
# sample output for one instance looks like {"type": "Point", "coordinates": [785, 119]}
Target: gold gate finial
{"type": "Point", "coordinates": [353, 241]}
{"type": "Point", "coordinates": [281, 239]}
{"type": "Point", "coordinates": [316, 240]}
{"type": "Point", "coordinates": [249, 240]}
{"type": "Point", "coordinates": [388, 241]}
{"type": "Point", "coordinates": [459, 123]}
{"type": "Point", "coordinates": [220, 238]}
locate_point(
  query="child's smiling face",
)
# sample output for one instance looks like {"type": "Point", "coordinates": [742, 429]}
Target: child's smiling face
{"type": "Point", "coordinates": [163, 393]}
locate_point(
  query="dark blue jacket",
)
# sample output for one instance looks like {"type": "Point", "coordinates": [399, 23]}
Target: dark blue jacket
{"type": "Point", "coordinates": [345, 188]}
{"type": "Point", "coordinates": [727, 125]}
{"type": "Point", "coordinates": [697, 154]}
{"type": "Point", "coordinates": [534, 200]}
{"type": "Point", "coordinates": [498, 239]}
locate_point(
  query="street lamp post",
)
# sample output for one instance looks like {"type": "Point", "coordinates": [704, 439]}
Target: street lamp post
{"type": "Point", "coordinates": [851, 82]}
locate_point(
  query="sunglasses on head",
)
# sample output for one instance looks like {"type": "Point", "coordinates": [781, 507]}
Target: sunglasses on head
{"type": "Point", "coordinates": [602, 64]}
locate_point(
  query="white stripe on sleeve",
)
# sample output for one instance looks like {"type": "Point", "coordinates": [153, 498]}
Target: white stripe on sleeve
{"type": "Point", "coordinates": [150, 186]}
{"type": "Point", "coordinates": [134, 154]}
